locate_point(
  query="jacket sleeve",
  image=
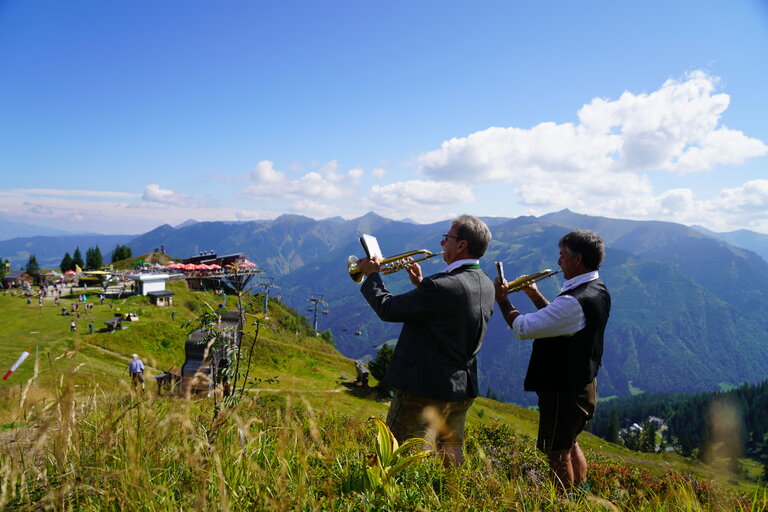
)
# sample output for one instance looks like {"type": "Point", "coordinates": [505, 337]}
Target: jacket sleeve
{"type": "Point", "coordinates": [413, 306]}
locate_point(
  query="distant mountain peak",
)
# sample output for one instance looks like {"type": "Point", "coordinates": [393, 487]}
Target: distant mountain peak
{"type": "Point", "coordinates": [186, 223]}
{"type": "Point", "coordinates": [292, 218]}
{"type": "Point", "coordinates": [372, 216]}
{"type": "Point", "coordinates": [10, 230]}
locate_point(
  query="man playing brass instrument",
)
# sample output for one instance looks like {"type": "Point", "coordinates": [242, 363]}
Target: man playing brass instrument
{"type": "Point", "coordinates": [433, 367]}
{"type": "Point", "coordinates": [567, 351]}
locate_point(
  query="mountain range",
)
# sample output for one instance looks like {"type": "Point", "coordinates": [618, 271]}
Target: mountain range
{"type": "Point", "coordinates": [689, 308]}
{"type": "Point", "coordinates": [10, 229]}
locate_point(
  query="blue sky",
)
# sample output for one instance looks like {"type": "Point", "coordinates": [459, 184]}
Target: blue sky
{"type": "Point", "coordinates": [119, 116]}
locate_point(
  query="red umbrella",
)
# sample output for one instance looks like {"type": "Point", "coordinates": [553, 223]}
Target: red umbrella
{"type": "Point", "coordinates": [189, 266]}
{"type": "Point", "coordinates": [247, 264]}
{"type": "Point", "coordinates": [70, 272]}
{"type": "Point", "coordinates": [215, 266]}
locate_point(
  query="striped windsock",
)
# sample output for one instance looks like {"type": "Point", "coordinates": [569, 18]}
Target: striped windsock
{"type": "Point", "coordinates": [18, 362]}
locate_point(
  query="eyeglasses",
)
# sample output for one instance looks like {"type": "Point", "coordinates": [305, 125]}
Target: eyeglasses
{"type": "Point", "coordinates": [451, 236]}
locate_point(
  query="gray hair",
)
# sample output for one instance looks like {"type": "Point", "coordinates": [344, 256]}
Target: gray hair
{"type": "Point", "coordinates": [588, 244]}
{"type": "Point", "coordinates": [473, 231]}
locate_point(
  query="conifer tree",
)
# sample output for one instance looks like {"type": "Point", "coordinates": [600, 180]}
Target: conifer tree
{"type": "Point", "coordinates": [98, 258]}
{"type": "Point", "coordinates": [77, 259]}
{"type": "Point", "coordinates": [632, 439]}
{"type": "Point", "coordinates": [121, 252]}
{"type": "Point", "coordinates": [648, 437]}
{"type": "Point", "coordinates": [612, 436]}
{"type": "Point", "coordinates": [66, 263]}
{"type": "Point", "coordinates": [89, 258]}
{"type": "Point", "coordinates": [93, 258]}
{"type": "Point", "coordinates": [32, 267]}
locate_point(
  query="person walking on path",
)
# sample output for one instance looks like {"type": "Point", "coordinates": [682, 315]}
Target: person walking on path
{"type": "Point", "coordinates": [136, 369]}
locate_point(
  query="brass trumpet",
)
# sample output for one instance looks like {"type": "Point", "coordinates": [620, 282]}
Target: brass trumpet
{"type": "Point", "coordinates": [527, 280]}
{"type": "Point", "coordinates": [389, 265]}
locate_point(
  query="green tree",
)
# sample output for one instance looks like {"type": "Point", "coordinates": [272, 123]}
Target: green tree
{"type": "Point", "coordinates": [632, 439]}
{"type": "Point", "coordinates": [77, 259]}
{"type": "Point", "coordinates": [380, 363]}
{"type": "Point", "coordinates": [327, 336]}
{"type": "Point", "coordinates": [121, 252]}
{"type": "Point", "coordinates": [93, 258]}
{"type": "Point", "coordinates": [686, 450]}
{"type": "Point", "coordinates": [612, 436]}
{"type": "Point", "coordinates": [32, 267]}
{"type": "Point", "coordinates": [66, 263]}
{"type": "Point", "coordinates": [5, 266]}
{"type": "Point", "coordinates": [648, 437]}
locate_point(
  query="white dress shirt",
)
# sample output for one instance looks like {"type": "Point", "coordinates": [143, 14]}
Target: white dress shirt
{"type": "Point", "coordinates": [459, 263]}
{"type": "Point", "coordinates": [562, 317]}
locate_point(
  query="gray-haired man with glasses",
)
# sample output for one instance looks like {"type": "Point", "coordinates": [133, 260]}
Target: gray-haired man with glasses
{"type": "Point", "coordinates": [434, 367]}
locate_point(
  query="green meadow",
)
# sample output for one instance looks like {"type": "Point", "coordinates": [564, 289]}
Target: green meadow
{"type": "Point", "coordinates": [75, 436]}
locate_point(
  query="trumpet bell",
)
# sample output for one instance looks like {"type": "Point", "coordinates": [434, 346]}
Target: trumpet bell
{"type": "Point", "coordinates": [527, 280]}
{"type": "Point", "coordinates": [355, 273]}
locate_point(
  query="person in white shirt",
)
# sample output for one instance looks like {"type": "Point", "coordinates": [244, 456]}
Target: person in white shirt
{"type": "Point", "coordinates": [136, 369]}
{"type": "Point", "coordinates": [567, 351]}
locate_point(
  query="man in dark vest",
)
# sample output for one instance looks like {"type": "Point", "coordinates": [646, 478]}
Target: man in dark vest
{"type": "Point", "coordinates": [434, 367]}
{"type": "Point", "coordinates": [567, 350]}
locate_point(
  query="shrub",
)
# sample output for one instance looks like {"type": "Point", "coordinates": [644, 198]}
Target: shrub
{"type": "Point", "coordinates": [378, 366]}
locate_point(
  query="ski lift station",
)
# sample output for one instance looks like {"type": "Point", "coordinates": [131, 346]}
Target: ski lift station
{"type": "Point", "coordinates": [149, 282]}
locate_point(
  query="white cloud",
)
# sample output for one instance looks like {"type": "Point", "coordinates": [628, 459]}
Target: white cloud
{"type": "Point", "coordinates": [246, 215]}
{"type": "Point", "coordinates": [673, 129]}
{"type": "Point", "coordinates": [408, 198]}
{"type": "Point", "coordinates": [265, 173]}
{"type": "Point", "coordinates": [115, 217]}
{"type": "Point", "coordinates": [155, 196]}
{"type": "Point", "coordinates": [742, 207]}
{"type": "Point", "coordinates": [327, 183]}
{"type": "Point", "coordinates": [314, 209]}
{"type": "Point", "coordinates": [71, 193]}
{"type": "Point", "coordinates": [355, 174]}
{"type": "Point", "coordinates": [751, 197]}
{"type": "Point", "coordinates": [379, 172]}
{"type": "Point", "coordinates": [602, 164]}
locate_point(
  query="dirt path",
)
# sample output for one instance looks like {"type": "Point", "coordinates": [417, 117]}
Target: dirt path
{"type": "Point", "coordinates": [119, 355]}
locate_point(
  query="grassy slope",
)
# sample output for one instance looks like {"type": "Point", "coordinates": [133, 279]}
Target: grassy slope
{"type": "Point", "coordinates": [304, 366]}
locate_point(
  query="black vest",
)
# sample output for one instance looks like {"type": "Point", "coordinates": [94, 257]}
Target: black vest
{"type": "Point", "coordinates": [568, 363]}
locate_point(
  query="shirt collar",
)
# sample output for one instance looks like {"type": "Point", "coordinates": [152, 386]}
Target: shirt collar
{"type": "Point", "coordinates": [459, 263]}
{"type": "Point", "coordinates": [579, 279]}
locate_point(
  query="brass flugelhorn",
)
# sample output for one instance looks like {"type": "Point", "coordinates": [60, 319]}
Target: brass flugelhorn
{"type": "Point", "coordinates": [527, 280]}
{"type": "Point", "coordinates": [391, 264]}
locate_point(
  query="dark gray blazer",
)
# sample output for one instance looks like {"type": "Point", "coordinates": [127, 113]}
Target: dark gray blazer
{"type": "Point", "coordinates": [444, 323]}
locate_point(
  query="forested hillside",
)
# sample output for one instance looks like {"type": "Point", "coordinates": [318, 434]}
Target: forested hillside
{"type": "Point", "coordinates": [694, 422]}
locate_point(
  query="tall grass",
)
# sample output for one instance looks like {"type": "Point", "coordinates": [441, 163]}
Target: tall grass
{"type": "Point", "coordinates": [122, 451]}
